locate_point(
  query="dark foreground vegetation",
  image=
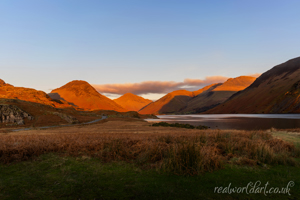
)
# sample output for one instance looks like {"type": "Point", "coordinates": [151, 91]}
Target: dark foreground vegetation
{"type": "Point", "coordinates": [178, 125]}
{"type": "Point", "coordinates": [187, 165]}
{"type": "Point", "coordinates": [59, 177]}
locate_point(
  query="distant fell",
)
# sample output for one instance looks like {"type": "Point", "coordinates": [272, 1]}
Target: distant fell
{"type": "Point", "coordinates": [83, 95]}
{"type": "Point", "coordinates": [170, 103]}
{"type": "Point", "coordinates": [132, 102]}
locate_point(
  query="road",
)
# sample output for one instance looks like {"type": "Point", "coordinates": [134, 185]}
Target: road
{"type": "Point", "coordinates": [66, 125]}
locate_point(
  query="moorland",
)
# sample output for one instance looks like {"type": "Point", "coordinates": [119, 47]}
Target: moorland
{"type": "Point", "coordinates": [128, 158]}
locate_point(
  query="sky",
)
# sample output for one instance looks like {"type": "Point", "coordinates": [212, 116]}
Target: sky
{"type": "Point", "coordinates": [147, 47]}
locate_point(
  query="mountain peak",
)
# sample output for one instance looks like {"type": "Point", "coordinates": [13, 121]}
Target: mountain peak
{"type": "Point", "coordinates": [78, 86]}
{"type": "Point", "coordinates": [132, 102]}
{"type": "Point", "coordinates": [83, 95]}
{"type": "Point", "coordinates": [287, 68]}
{"type": "Point", "coordinates": [129, 95]}
{"type": "Point", "coordinates": [2, 82]}
{"type": "Point", "coordinates": [236, 84]}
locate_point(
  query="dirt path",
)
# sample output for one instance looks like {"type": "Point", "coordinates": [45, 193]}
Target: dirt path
{"type": "Point", "coordinates": [66, 125]}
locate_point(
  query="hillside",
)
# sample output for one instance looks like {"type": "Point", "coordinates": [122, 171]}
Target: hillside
{"type": "Point", "coordinates": [8, 91]}
{"type": "Point", "coordinates": [18, 113]}
{"type": "Point", "coordinates": [236, 84]}
{"type": "Point", "coordinates": [132, 102]}
{"type": "Point", "coordinates": [275, 91]}
{"type": "Point", "coordinates": [206, 88]}
{"type": "Point", "coordinates": [32, 114]}
{"type": "Point", "coordinates": [84, 96]}
{"type": "Point", "coordinates": [170, 103]}
{"type": "Point", "coordinates": [183, 101]}
{"type": "Point", "coordinates": [216, 94]}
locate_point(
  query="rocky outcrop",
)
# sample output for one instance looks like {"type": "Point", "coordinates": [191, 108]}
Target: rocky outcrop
{"type": "Point", "coordinates": [70, 119]}
{"type": "Point", "coordinates": [13, 114]}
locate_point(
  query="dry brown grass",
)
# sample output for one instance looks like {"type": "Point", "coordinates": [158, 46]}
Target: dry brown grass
{"type": "Point", "coordinates": [180, 151]}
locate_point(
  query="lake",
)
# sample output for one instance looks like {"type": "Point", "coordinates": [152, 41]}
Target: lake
{"type": "Point", "coordinates": [235, 121]}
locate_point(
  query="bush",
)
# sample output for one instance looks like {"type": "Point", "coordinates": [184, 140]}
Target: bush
{"type": "Point", "coordinates": [178, 125]}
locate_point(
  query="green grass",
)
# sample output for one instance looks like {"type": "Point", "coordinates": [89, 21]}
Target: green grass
{"type": "Point", "coordinates": [54, 177]}
{"type": "Point", "coordinates": [292, 137]}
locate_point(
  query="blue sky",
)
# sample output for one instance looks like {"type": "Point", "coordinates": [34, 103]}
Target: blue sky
{"type": "Point", "coordinates": [45, 44]}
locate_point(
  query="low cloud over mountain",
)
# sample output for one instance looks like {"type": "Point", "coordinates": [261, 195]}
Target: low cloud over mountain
{"type": "Point", "coordinates": [157, 86]}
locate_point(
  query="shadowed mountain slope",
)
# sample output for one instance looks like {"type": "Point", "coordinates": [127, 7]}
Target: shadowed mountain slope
{"type": "Point", "coordinates": [182, 101]}
{"type": "Point", "coordinates": [132, 102]}
{"type": "Point", "coordinates": [275, 91]}
{"type": "Point", "coordinates": [172, 102]}
{"type": "Point", "coordinates": [206, 88]}
{"type": "Point", "coordinates": [217, 94]}
{"type": "Point", "coordinates": [83, 95]}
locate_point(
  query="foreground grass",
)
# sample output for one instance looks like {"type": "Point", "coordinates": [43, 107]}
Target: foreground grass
{"type": "Point", "coordinates": [170, 164]}
{"type": "Point", "coordinates": [181, 153]}
{"type": "Point", "coordinates": [55, 177]}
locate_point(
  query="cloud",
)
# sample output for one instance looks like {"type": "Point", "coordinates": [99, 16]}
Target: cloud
{"type": "Point", "coordinates": [159, 87]}
{"type": "Point", "coordinates": [139, 88]}
{"type": "Point", "coordinates": [207, 81]}
{"type": "Point", "coordinates": [111, 96]}
{"type": "Point", "coordinates": [256, 75]}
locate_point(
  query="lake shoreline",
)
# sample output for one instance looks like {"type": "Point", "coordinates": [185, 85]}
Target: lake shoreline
{"type": "Point", "coordinates": [235, 121]}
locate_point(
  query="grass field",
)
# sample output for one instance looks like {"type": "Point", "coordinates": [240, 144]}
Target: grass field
{"type": "Point", "coordinates": [56, 177]}
{"type": "Point", "coordinates": [129, 159]}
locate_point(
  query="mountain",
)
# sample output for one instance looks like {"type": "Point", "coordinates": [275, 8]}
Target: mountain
{"type": "Point", "coordinates": [216, 94]}
{"type": "Point", "coordinates": [183, 101]}
{"type": "Point", "coordinates": [84, 96]}
{"type": "Point", "coordinates": [236, 84]}
{"type": "Point", "coordinates": [170, 103]}
{"type": "Point", "coordinates": [8, 91]}
{"type": "Point", "coordinates": [2, 83]}
{"type": "Point", "coordinates": [132, 102]}
{"type": "Point", "coordinates": [206, 88]}
{"type": "Point", "coordinates": [275, 91]}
